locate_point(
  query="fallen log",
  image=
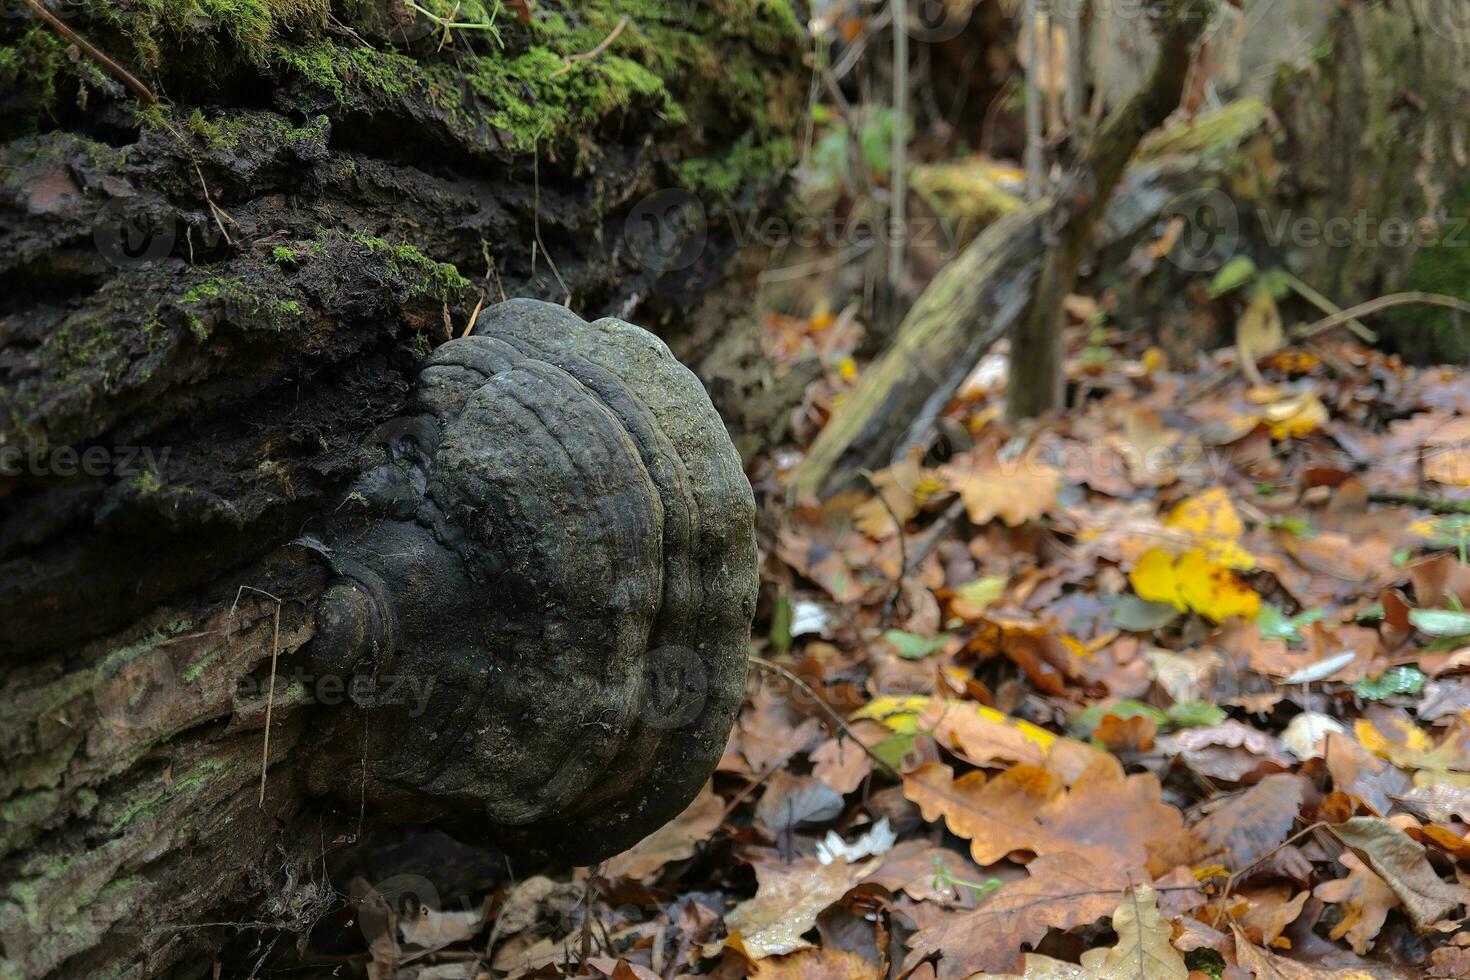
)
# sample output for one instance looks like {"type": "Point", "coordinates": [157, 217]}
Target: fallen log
{"type": "Point", "coordinates": [969, 305]}
{"type": "Point", "coordinates": [210, 309]}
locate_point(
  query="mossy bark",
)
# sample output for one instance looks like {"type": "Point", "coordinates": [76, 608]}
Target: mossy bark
{"type": "Point", "coordinates": [1373, 197]}
{"type": "Point", "coordinates": [224, 294]}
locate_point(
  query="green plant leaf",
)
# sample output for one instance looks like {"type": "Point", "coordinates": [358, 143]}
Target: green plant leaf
{"type": "Point", "coordinates": [1440, 622]}
{"type": "Point", "coordinates": [1138, 615]}
{"type": "Point", "coordinates": [911, 647]}
{"type": "Point", "coordinates": [1395, 680]}
{"type": "Point", "coordinates": [1195, 714]}
{"type": "Point", "coordinates": [1234, 274]}
{"type": "Point", "coordinates": [1274, 624]}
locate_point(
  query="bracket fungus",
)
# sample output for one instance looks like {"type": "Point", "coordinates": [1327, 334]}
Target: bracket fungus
{"type": "Point", "coordinates": [556, 545]}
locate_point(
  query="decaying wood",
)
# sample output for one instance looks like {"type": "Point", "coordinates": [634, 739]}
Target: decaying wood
{"type": "Point", "coordinates": [970, 304]}
{"type": "Point", "coordinates": [226, 295]}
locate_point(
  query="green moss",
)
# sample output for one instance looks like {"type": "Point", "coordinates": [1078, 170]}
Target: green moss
{"type": "Point", "coordinates": [723, 176]}
{"type": "Point", "coordinates": [1442, 265]}
{"type": "Point", "coordinates": [283, 255]}
{"type": "Point", "coordinates": [422, 273]}
{"type": "Point", "coordinates": [1221, 131]}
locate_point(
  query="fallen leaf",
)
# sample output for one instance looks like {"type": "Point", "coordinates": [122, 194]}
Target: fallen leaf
{"type": "Point", "coordinates": [1015, 491]}
{"type": "Point", "coordinates": [1230, 750]}
{"type": "Point", "coordinates": [1271, 910]}
{"type": "Point", "coordinates": [1104, 817]}
{"type": "Point", "coordinates": [1143, 951]}
{"type": "Point", "coordinates": [787, 901]}
{"type": "Point", "coordinates": [795, 801]}
{"type": "Point", "coordinates": [1305, 733]}
{"type": "Point", "coordinates": [674, 841]}
{"type": "Point", "coordinates": [437, 928]}
{"type": "Point", "coordinates": [1401, 862]}
{"type": "Point", "coordinates": [1062, 891]}
{"type": "Point", "coordinates": [1250, 825]}
{"type": "Point", "coordinates": [1365, 899]}
{"type": "Point", "coordinates": [841, 763]}
{"type": "Point", "coordinates": [1192, 581]}
{"type": "Point", "coordinates": [815, 964]}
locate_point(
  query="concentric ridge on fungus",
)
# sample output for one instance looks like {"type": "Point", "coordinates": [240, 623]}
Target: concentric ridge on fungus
{"type": "Point", "coordinates": [558, 546]}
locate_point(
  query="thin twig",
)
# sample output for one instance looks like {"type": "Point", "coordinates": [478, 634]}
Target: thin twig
{"type": "Point", "coordinates": [123, 75]}
{"type": "Point", "coordinates": [589, 55]}
{"type": "Point", "coordinates": [898, 154]}
{"type": "Point", "coordinates": [270, 698]}
{"type": "Point", "coordinates": [836, 719]}
{"type": "Point", "coordinates": [536, 225]}
{"type": "Point", "coordinates": [1424, 501]}
{"type": "Point", "coordinates": [1381, 303]}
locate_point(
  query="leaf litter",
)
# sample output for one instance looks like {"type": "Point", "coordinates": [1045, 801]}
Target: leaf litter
{"type": "Point", "coordinates": [1155, 689]}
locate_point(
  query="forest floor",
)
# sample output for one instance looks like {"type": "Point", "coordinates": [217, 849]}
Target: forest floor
{"type": "Point", "coordinates": [1171, 686]}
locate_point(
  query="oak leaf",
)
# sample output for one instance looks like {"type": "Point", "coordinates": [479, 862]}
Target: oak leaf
{"type": "Point", "coordinates": [1105, 817]}
{"type": "Point", "coordinates": [1401, 862]}
{"type": "Point", "coordinates": [787, 901]}
{"type": "Point", "coordinates": [1365, 899]}
{"type": "Point", "coordinates": [1063, 891]}
{"type": "Point", "coordinates": [1143, 951]}
{"type": "Point", "coordinates": [815, 964]}
{"type": "Point", "coordinates": [1016, 491]}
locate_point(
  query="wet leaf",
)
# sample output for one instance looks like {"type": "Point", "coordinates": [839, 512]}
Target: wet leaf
{"type": "Point", "coordinates": [788, 899]}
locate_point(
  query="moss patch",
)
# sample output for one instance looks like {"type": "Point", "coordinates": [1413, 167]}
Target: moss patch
{"type": "Point", "coordinates": [1442, 265]}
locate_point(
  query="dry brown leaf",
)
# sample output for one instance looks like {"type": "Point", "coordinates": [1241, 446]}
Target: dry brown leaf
{"type": "Point", "coordinates": [674, 841]}
{"type": "Point", "coordinates": [841, 763]}
{"type": "Point", "coordinates": [1249, 826]}
{"type": "Point", "coordinates": [1365, 899]}
{"type": "Point", "coordinates": [1143, 951]}
{"type": "Point", "coordinates": [1268, 966]}
{"type": "Point", "coordinates": [815, 964]}
{"type": "Point", "coordinates": [1063, 891]}
{"type": "Point", "coordinates": [1272, 909]}
{"type": "Point", "coordinates": [1401, 862]}
{"type": "Point", "coordinates": [1016, 491]}
{"type": "Point", "coordinates": [1231, 750]}
{"type": "Point", "coordinates": [1105, 817]}
{"type": "Point", "coordinates": [787, 901]}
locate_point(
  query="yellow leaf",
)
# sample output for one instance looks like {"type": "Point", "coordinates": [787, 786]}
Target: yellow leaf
{"type": "Point", "coordinates": [1212, 589]}
{"type": "Point", "coordinates": [1212, 521]}
{"type": "Point", "coordinates": [1195, 582]}
{"type": "Point", "coordinates": [1295, 417]}
{"type": "Point", "coordinates": [1258, 331]}
{"type": "Point", "coordinates": [1153, 579]}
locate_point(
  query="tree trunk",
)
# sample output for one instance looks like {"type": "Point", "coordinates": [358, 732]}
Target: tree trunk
{"type": "Point", "coordinates": [206, 307]}
{"type": "Point", "coordinates": [1374, 197]}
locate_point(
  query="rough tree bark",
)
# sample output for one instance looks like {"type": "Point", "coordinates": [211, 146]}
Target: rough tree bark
{"type": "Point", "coordinates": [222, 296]}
